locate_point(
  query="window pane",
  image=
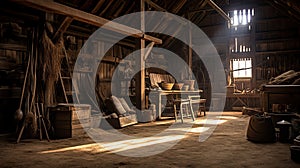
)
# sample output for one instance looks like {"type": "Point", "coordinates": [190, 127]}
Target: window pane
{"type": "Point", "coordinates": [242, 68]}
{"type": "Point", "coordinates": [241, 17]}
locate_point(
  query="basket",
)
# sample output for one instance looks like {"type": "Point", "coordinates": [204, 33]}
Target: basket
{"type": "Point", "coordinates": [178, 86]}
{"type": "Point", "coordinates": [167, 86]}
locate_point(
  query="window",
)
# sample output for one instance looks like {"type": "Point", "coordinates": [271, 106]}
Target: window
{"type": "Point", "coordinates": [241, 17]}
{"type": "Point", "coordinates": [240, 47]}
{"type": "Point", "coordinates": [242, 68]}
{"type": "Point", "coordinates": [240, 25]}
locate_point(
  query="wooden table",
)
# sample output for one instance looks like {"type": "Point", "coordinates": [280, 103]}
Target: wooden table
{"type": "Point", "coordinates": [178, 94]}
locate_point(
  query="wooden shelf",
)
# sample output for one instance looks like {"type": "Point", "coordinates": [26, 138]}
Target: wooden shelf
{"type": "Point", "coordinates": [110, 59]}
{"type": "Point", "coordinates": [275, 40]}
{"type": "Point", "coordinates": [277, 52]}
{"type": "Point", "coordinates": [106, 58]}
{"type": "Point", "coordinates": [17, 47]}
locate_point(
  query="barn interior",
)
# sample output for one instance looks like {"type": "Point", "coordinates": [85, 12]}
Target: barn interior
{"type": "Point", "coordinates": [186, 83]}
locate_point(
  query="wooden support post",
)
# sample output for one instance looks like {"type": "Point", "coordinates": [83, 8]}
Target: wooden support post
{"type": "Point", "coordinates": [253, 53]}
{"type": "Point", "coordinates": [140, 81]}
{"type": "Point", "coordinates": [190, 54]}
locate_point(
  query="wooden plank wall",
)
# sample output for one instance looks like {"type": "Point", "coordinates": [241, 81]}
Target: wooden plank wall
{"type": "Point", "coordinates": [276, 41]}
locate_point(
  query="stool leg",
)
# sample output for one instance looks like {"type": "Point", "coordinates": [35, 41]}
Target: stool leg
{"type": "Point", "coordinates": [192, 111]}
{"type": "Point", "coordinates": [204, 110]}
{"type": "Point", "coordinates": [175, 112]}
{"type": "Point", "coordinates": [181, 112]}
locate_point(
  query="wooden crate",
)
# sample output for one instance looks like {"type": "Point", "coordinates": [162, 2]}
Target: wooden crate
{"type": "Point", "coordinates": [70, 120]}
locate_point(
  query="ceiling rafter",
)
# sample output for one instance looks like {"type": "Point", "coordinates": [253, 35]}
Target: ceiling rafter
{"type": "Point", "coordinates": [68, 20]}
{"type": "Point", "coordinates": [179, 6]}
{"type": "Point", "coordinates": [289, 8]}
{"type": "Point", "coordinates": [85, 17]}
{"type": "Point", "coordinates": [218, 9]}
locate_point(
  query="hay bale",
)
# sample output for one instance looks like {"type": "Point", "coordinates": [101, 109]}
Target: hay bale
{"type": "Point", "coordinates": [296, 82]}
{"type": "Point", "coordinates": [283, 75]}
{"type": "Point", "coordinates": [286, 78]}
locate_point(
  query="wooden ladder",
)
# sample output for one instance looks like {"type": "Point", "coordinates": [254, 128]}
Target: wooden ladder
{"type": "Point", "coordinates": [69, 94]}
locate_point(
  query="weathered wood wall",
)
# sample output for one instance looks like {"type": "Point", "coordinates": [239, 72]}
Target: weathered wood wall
{"type": "Point", "coordinates": [274, 40]}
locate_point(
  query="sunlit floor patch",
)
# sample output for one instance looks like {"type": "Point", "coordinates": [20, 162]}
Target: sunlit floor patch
{"type": "Point", "coordinates": [210, 121]}
{"type": "Point", "coordinates": [136, 143]}
{"type": "Point", "coordinates": [85, 147]}
{"type": "Point", "coordinates": [228, 117]}
{"type": "Point", "coordinates": [193, 130]}
{"type": "Point", "coordinates": [119, 146]}
{"type": "Point", "coordinates": [140, 142]}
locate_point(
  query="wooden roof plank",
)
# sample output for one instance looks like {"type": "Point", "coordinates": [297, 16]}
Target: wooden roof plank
{"type": "Point", "coordinates": [178, 6]}
{"type": "Point", "coordinates": [97, 6]}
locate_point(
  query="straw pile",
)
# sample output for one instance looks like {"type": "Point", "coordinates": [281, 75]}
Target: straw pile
{"type": "Point", "coordinates": [52, 57]}
{"type": "Point", "coordinates": [51, 62]}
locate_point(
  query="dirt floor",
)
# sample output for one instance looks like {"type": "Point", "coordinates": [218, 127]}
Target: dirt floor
{"type": "Point", "coordinates": [226, 147]}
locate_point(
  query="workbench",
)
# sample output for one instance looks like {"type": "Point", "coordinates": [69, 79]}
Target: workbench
{"type": "Point", "coordinates": [280, 94]}
{"type": "Point", "coordinates": [177, 93]}
{"type": "Point", "coordinates": [242, 99]}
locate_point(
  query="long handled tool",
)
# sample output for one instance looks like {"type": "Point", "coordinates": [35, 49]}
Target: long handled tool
{"type": "Point", "coordinates": [19, 113]}
{"type": "Point", "coordinates": [33, 71]}
{"type": "Point", "coordinates": [41, 121]}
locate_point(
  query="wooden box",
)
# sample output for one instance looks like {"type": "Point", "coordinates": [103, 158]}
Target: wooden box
{"type": "Point", "coordinates": [69, 120]}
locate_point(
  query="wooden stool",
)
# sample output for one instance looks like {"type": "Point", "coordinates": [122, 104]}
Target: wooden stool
{"type": "Point", "coordinates": [202, 106]}
{"type": "Point", "coordinates": [201, 102]}
{"type": "Point", "coordinates": [182, 102]}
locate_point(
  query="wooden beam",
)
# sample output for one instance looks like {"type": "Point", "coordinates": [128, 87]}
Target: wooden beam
{"type": "Point", "coordinates": [201, 17]}
{"type": "Point", "coordinates": [218, 9]}
{"type": "Point", "coordinates": [200, 11]}
{"type": "Point", "coordinates": [68, 20]}
{"type": "Point", "coordinates": [85, 17]}
{"type": "Point", "coordinates": [148, 50]}
{"type": "Point", "coordinates": [121, 7]}
{"type": "Point", "coordinates": [63, 27]}
{"type": "Point", "coordinates": [97, 6]}
{"type": "Point", "coordinates": [151, 38]}
{"type": "Point", "coordinates": [154, 5]}
{"type": "Point", "coordinates": [286, 9]}
{"type": "Point", "coordinates": [178, 6]}
{"type": "Point", "coordinates": [106, 8]}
